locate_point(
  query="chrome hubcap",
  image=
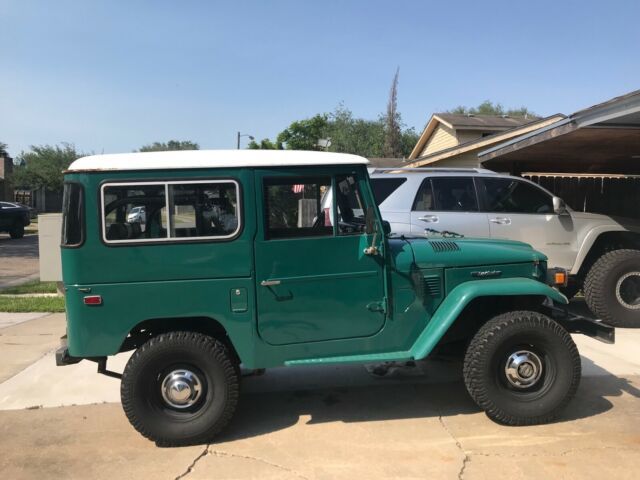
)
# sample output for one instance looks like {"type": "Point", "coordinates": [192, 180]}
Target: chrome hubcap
{"type": "Point", "coordinates": [628, 290]}
{"type": "Point", "coordinates": [523, 369]}
{"type": "Point", "coordinates": [181, 388]}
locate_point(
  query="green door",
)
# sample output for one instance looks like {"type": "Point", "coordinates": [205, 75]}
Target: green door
{"type": "Point", "coordinates": [314, 282]}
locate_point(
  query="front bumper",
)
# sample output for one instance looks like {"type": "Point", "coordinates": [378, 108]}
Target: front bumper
{"type": "Point", "coordinates": [575, 323]}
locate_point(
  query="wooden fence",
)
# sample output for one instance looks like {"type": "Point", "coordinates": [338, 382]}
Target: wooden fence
{"type": "Point", "coordinates": [610, 195]}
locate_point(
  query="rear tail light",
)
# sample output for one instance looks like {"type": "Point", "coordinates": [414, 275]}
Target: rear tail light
{"type": "Point", "coordinates": [92, 300]}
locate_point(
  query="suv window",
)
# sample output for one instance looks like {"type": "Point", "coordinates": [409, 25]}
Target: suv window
{"type": "Point", "coordinates": [424, 198]}
{"type": "Point", "coordinates": [515, 196]}
{"type": "Point", "coordinates": [72, 214]}
{"type": "Point", "coordinates": [383, 187]}
{"type": "Point", "coordinates": [350, 205]}
{"type": "Point", "coordinates": [454, 194]}
{"type": "Point", "coordinates": [160, 211]}
{"type": "Point", "coordinates": [294, 207]}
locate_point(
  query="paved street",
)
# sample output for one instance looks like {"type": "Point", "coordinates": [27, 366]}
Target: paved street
{"type": "Point", "coordinates": [316, 422]}
{"type": "Point", "coordinates": [19, 259]}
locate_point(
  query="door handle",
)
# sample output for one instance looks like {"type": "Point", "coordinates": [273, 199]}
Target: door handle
{"type": "Point", "coordinates": [429, 218]}
{"type": "Point", "coordinates": [501, 220]}
{"type": "Point", "coordinates": [269, 283]}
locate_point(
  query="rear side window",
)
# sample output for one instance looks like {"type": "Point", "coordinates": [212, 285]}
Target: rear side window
{"type": "Point", "coordinates": [514, 196]}
{"type": "Point", "coordinates": [164, 211]}
{"type": "Point", "coordinates": [383, 187]}
{"type": "Point", "coordinates": [454, 194]}
{"type": "Point", "coordinates": [72, 215]}
{"type": "Point", "coordinates": [424, 198]}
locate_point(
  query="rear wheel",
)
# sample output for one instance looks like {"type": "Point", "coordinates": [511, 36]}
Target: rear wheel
{"type": "Point", "coordinates": [612, 288]}
{"type": "Point", "coordinates": [17, 230]}
{"type": "Point", "coordinates": [180, 388]}
{"type": "Point", "coordinates": [522, 368]}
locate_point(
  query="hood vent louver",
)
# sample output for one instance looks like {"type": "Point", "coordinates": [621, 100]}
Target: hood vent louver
{"type": "Point", "coordinates": [441, 246]}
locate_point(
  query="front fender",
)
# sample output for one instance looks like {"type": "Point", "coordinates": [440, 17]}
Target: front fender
{"type": "Point", "coordinates": [459, 298]}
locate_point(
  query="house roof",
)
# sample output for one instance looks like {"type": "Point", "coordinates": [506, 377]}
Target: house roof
{"type": "Point", "coordinates": [459, 121]}
{"type": "Point", "coordinates": [182, 159]}
{"type": "Point", "coordinates": [602, 138]}
{"type": "Point", "coordinates": [487, 141]}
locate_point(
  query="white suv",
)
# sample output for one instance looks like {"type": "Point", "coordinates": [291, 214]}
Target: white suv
{"type": "Point", "coordinates": [601, 253]}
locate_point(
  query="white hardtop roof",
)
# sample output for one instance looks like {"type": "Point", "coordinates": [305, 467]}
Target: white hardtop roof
{"type": "Point", "coordinates": [181, 159]}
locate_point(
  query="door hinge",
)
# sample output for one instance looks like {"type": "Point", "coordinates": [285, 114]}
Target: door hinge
{"type": "Point", "coordinates": [381, 306]}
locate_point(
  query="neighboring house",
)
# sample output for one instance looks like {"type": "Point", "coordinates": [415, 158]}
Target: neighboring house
{"type": "Point", "coordinates": [6, 168]}
{"type": "Point", "coordinates": [454, 140]}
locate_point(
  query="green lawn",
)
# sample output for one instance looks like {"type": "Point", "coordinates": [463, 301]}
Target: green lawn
{"type": "Point", "coordinates": [32, 287]}
{"type": "Point", "coordinates": [31, 304]}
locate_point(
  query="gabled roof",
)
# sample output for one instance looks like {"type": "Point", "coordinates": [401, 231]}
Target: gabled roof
{"type": "Point", "coordinates": [483, 142]}
{"type": "Point", "coordinates": [457, 121]}
{"type": "Point", "coordinates": [212, 159]}
{"type": "Point", "coordinates": [483, 122]}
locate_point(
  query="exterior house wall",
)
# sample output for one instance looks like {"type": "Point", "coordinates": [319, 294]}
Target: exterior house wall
{"type": "Point", "coordinates": [6, 168]}
{"type": "Point", "coordinates": [443, 137]}
{"type": "Point", "coordinates": [466, 160]}
{"type": "Point", "coordinates": [465, 136]}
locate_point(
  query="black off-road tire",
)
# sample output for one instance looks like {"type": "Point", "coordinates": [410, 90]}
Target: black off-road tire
{"type": "Point", "coordinates": [141, 391]}
{"type": "Point", "coordinates": [17, 230]}
{"type": "Point", "coordinates": [502, 337]}
{"type": "Point", "coordinates": [601, 288]}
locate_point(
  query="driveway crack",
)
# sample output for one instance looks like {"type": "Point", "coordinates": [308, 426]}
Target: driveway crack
{"type": "Point", "coordinates": [190, 468]}
{"type": "Point", "coordinates": [465, 457]}
{"type": "Point", "coordinates": [219, 453]}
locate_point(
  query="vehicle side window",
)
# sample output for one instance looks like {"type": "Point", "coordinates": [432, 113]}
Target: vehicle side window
{"type": "Point", "coordinates": [72, 214]}
{"type": "Point", "coordinates": [163, 211]}
{"type": "Point", "coordinates": [454, 194]}
{"type": "Point", "coordinates": [294, 207]}
{"type": "Point", "coordinates": [424, 198]}
{"type": "Point", "coordinates": [514, 196]}
{"type": "Point", "coordinates": [350, 205]}
{"type": "Point", "coordinates": [383, 187]}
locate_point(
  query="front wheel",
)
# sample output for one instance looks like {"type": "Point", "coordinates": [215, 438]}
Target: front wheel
{"type": "Point", "coordinates": [180, 388]}
{"type": "Point", "coordinates": [522, 368]}
{"type": "Point", "coordinates": [612, 288]}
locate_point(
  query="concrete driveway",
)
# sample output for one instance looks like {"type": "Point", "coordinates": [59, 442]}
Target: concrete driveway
{"type": "Point", "coordinates": [317, 422]}
{"type": "Point", "coordinates": [19, 260]}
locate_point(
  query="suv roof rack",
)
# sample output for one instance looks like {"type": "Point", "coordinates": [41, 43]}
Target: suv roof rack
{"type": "Point", "coordinates": [429, 169]}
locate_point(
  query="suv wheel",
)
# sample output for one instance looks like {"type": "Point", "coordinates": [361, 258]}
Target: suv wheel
{"type": "Point", "coordinates": [612, 288]}
{"type": "Point", "coordinates": [522, 368]}
{"type": "Point", "coordinates": [17, 230]}
{"type": "Point", "coordinates": [180, 388]}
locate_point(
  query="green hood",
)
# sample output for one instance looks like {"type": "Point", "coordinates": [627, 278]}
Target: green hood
{"type": "Point", "coordinates": [463, 252]}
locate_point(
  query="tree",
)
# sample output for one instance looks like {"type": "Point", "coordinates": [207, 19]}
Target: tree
{"type": "Point", "coordinates": [392, 131]}
{"type": "Point", "coordinates": [42, 167]}
{"type": "Point", "coordinates": [265, 144]}
{"type": "Point", "coordinates": [3, 149]}
{"type": "Point", "coordinates": [169, 146]}
{"type": "Point", "coordinates": [304, 134]}
{"type": "Point", "coordinates": [489, 108]}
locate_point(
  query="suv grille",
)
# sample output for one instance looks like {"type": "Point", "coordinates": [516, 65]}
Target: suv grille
{"type": "Point", "coordinates": [440, 246]}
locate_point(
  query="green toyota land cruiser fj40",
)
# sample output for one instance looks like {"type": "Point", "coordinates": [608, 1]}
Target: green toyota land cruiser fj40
{"type": "Point", "coordinates": [237, 261]}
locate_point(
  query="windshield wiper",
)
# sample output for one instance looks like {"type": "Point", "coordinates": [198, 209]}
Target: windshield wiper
{"type": "Point", "coordinates": [444, 233]}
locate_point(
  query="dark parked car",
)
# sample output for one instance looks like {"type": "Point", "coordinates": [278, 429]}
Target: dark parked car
{"type": "Point", "coordinates": [13, 218]}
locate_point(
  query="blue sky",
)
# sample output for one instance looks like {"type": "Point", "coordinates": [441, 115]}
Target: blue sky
{"type": "Point", "coordinates": [114, 75]}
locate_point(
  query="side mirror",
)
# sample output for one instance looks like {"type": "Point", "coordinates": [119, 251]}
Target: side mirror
{"type": "Point", "coordinates": [386, 227]}
{"type": "Point", "coordinates": [559, 206]}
